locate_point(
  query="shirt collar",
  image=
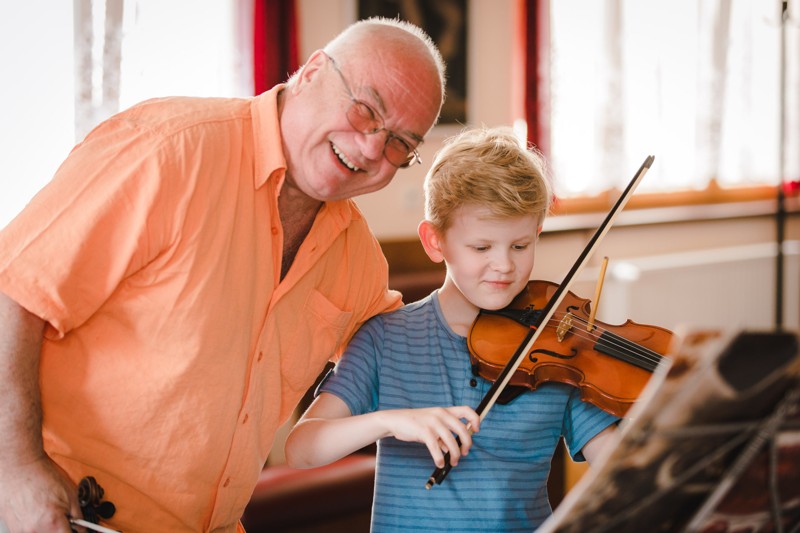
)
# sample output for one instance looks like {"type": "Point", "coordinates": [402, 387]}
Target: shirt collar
{"type": "Point", "coordinates": [269, 158]}
{"type": "Point", "coordinates": [270, 161]}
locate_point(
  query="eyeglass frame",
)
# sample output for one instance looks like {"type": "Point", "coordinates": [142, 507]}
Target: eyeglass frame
{"type": "Point", "coordinates": [377, 118]}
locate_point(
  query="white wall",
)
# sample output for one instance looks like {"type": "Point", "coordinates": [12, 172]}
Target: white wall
{"type": "Point", "coordinates": [712, 273]}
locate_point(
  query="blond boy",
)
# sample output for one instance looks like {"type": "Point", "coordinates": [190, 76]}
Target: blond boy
{"type": "Point", "coordinates": [406, 380]}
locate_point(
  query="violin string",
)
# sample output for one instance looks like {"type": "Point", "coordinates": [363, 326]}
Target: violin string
{"type": "Point", "coordinates": [626, 349]}
{"type": "Point", "coordinates": [624, 345]}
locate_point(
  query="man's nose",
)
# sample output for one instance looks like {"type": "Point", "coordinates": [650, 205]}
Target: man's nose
{"type": "Point", "coordinates": [373, 144]}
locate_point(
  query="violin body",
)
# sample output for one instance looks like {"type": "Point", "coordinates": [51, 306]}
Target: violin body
{"type": "Point", "coordinates": [610, 364]}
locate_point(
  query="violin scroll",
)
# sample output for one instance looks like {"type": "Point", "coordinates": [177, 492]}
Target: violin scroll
{"type": "Point", "coordinates": [90, 494]}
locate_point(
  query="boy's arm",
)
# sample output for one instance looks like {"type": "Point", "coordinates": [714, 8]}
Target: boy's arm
{"type": "Point", "coordinates": [327, 431]}
{"type": "Point", "coordinates": [317, 440]}
{"type": "Point", "coordinates": [594, 448]}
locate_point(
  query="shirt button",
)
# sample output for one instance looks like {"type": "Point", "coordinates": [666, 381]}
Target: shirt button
{"type": "Point", "coordinates": [227, 482]}
{"type": "Point", "coordinates": [473, 382]}
{"type": "Point", "coordinates": [244, 420]}
{"type": "Point", "coordinates": [260, 356]}
{"type": "Point", "coordinates": [274, 230]}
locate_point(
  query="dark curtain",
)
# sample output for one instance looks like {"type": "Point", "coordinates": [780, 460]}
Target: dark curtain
{"type": "Point", "coordinates": [275, 43]}
{"type": "Point", "coordinates": [537, 73]}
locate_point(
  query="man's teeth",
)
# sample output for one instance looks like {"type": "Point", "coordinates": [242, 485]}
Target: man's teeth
{"type": "Point", "coordinates": [344, 159]}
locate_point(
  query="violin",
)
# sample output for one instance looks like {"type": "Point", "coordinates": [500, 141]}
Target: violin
{"type": "Point", "coordinates": [609, 364]}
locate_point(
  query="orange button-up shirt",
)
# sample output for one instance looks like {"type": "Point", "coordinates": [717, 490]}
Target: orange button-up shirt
{"type": "Point", "coordinates": [173, 350]}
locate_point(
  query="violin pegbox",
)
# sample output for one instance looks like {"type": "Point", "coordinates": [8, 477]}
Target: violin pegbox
{"type": "Point", "coordinates": [90, 494]}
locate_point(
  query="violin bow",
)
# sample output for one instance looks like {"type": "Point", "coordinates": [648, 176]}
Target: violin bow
{"type": "Point", "coordinates": [547, 313]}
{"type": "Point", "coordinates": [92, 526]}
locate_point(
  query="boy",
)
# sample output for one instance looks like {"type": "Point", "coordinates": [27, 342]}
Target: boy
{"type": "Point", "coordinates": [486, 198]}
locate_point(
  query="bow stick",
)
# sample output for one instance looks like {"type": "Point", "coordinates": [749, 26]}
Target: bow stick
{"type": "Point", "coordinates": [502, 380]}
{"type": "Point", "coordinates": [92, 526]}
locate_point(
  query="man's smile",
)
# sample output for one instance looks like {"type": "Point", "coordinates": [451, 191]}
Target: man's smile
{"type": "Point", "coordinates": [343, 158]}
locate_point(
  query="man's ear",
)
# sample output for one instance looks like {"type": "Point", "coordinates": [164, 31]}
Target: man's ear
{"type": "Point", "coordinates": [316, 62]}
{"type": "Point", "coordinates": [431, 241]}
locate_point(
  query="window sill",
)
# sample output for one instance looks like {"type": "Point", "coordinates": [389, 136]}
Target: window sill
{"type": "Point", "coordinates": [712, 204]}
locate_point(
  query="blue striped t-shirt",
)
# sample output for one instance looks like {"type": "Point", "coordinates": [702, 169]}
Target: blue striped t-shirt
{"type": "Point", "coordinates": [411, 358]}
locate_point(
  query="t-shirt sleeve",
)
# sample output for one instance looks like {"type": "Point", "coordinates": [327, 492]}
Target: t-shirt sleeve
{"type": "Point", "coordinates": [355, 378]}
{"type": "Point", "coordinates": [582, 421]}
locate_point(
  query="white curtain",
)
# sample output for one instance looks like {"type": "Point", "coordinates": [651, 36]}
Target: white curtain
{"type": "Point", "coordinates": [694, 82]}
{"type": "Point", "coordinates": [142, 49]}
{"type": "Point", "coordinates": [69, 65]}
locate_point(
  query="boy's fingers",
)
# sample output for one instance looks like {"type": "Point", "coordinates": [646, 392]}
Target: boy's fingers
{"type": "Point", "coordinates": [436, 453]}
{"type": "Point", "coordinates": [468, 414]}
{"type": "Point", "coordinates": [450, 444]}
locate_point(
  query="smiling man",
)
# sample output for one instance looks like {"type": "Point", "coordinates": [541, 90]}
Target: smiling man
{"type": "Point", "coordinates": [169, 297]}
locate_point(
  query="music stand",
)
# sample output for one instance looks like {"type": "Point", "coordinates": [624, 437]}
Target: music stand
{"type": "Point", "coordinates": [713, 445]}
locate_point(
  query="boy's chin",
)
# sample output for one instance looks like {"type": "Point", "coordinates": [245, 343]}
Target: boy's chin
{"type": "Point", "coordinates": [495, 305]}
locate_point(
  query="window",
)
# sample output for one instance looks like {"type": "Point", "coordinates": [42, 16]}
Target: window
{"type": "Point", "coordinates": [695, 83]}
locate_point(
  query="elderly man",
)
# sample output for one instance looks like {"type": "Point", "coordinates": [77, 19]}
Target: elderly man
{"type": "Point", "coordinates": [168, 298]}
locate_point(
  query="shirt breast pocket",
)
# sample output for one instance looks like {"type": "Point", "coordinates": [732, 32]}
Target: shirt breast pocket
{"type": "Point", "coordinates": [321, 328]}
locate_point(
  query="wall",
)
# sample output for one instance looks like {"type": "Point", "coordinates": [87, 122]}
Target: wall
{"type": "Point", "coordinates": [703, 271]}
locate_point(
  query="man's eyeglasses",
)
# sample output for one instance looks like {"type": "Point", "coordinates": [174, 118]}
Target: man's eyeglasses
{"type": "Point", "coordinates": [366, 120]}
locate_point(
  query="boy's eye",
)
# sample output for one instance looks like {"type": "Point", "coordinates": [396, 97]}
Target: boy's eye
{"type": "Point", "coordinates": [480, 248]}
{"type": "Point", "coordinates": [520, 246]}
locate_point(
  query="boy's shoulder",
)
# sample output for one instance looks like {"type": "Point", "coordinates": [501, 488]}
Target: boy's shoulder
{"type": "Point", "coordinates": [421, 309]}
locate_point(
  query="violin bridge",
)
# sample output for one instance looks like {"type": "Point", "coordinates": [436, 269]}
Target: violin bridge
{"type": "Point", "coordinates": [564, 326]}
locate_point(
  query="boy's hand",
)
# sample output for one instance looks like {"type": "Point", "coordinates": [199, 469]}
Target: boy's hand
{"type": "Point", "coordinates": [436, 427]}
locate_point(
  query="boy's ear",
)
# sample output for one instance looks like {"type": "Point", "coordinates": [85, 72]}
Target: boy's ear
{"type": "Point", "coordinates": [430, 241]}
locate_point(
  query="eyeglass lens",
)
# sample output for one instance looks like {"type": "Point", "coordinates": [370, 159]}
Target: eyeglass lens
{"type": "Point", "coordinates": [396, 150]}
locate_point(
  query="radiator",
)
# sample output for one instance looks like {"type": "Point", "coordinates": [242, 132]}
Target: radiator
{"type": "Point", "coordinates": [731, 287]}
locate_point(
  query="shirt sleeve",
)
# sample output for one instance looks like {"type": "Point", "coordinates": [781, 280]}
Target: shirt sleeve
{"type": "Point", "coordinates": [355, 378]}
{"type": "Point", "coordinates": [582, 421]}
{"type": "Point", "coordinates": [90, 227]}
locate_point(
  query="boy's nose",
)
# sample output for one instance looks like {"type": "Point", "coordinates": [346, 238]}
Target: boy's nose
{"type": "Point", "coordinates": [503, 263]}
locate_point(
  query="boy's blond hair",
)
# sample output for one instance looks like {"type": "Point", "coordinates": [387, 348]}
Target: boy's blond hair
{"type": "Point", "coordinates": [489, 167]}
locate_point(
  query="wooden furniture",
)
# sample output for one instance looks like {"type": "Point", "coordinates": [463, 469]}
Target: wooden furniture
{"type": "Point", "coordinates": [333, 498]}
